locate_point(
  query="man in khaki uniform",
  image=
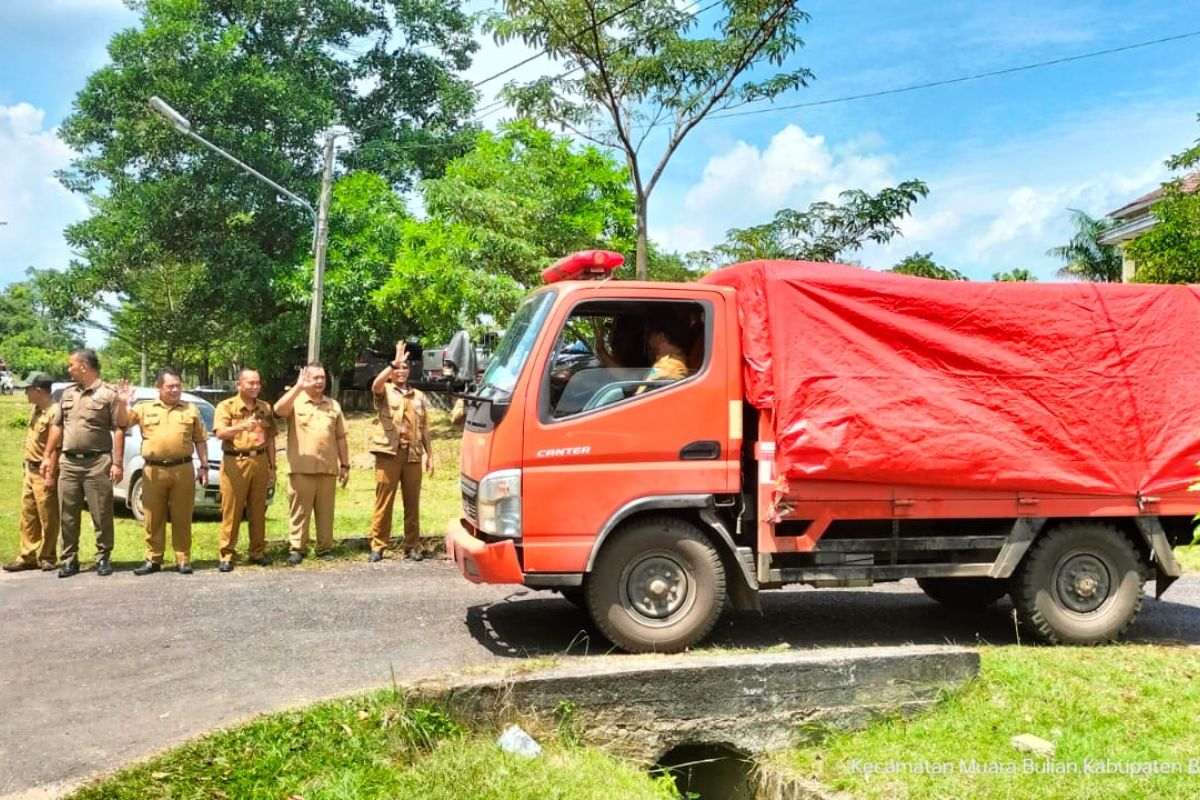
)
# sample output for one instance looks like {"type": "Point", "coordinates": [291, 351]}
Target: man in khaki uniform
{"type": "Point", "coordinates": [246, 428]}
{"type": "Point", "coordinates": [401, 444]}
{"type": "Point", "coordinates": [171, 431]}
{"type": "Point", "coordinates": [81, 443]}
{"type": "Point", "coordinates": [39, 498]}
{"type": "Point", "coordinates": [318, 458]}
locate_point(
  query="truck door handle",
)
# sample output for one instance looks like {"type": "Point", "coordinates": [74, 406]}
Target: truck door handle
{"type": "Point", "coordinates": [703, 450]}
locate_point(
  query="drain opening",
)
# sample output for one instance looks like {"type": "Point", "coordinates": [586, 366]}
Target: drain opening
{"type": "Point", "coordinates": [709, 771]}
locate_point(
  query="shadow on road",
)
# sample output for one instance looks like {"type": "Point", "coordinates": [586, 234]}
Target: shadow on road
{"type": "Point", "coordinates": [531, 624]}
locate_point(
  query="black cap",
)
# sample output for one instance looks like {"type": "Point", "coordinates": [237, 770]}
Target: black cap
{"type": "Point", "coordinates": [37, 380]}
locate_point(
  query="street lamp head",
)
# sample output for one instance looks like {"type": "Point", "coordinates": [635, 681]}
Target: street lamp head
{"type": "Point", "coordinates": [177, 120]}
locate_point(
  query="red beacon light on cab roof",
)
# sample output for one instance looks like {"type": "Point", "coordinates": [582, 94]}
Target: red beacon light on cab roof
{"type": "Point", "coordinates": [584, 265]}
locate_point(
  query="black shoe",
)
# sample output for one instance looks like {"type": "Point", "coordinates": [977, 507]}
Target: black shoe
{"type": "Point", "coordinates": [226, 566]}
{"type": "Point", "coordinates": [376, 555]}
{"type": "Point", "coordinates": [325, 556]}
{"type": "Point", "coordinates": [415, 555]}
{"type": "Point", "coordinates": [69, 567]}
{"type": "Point", "coordinates": [183, 569]}
{"type": "Point", "coordinates": [261, 562]}
{"type": "Point", "coordinates": [294, 558]}
{"type": "Point", "coordinates": [103, 566]}
{"type": "Point", "coordinates": [19, 566]}
{"type": "Point", "coordinates": [144, 569]}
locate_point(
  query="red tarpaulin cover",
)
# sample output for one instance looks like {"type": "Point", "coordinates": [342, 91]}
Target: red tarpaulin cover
{"type": "Point", "coordinates": [884, 378]}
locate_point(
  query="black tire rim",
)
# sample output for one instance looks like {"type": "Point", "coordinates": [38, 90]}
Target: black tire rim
{"type": "Point", "coordinates": [656, 588]}
{"type": "Point", "coordinates": [1083, 582]}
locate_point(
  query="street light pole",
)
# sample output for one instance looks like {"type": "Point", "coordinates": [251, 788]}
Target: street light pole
{"type": "Point", "coordinates": [321, 245]}
{"type": "Point", "coordinates": [320, 220]}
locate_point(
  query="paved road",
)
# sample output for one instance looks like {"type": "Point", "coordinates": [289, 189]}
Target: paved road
{"type": "Point", "coordinates": [95, 673]}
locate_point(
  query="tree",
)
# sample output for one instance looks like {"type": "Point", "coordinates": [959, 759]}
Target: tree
{"type": "Point", "coordinates": [262, 80]}
{"type": "Point", "coordinates": [1016, 275]}
{"type": "Point", "coordinates": [32, 336]}
{"type": "Point", "coordinates": [922, 265]}
{"type": "Point", "coordinates": [634, 67]}
{"type": "Point", "coordinates": [531, 197]}
{"type": "Point", "coordinates": [1170, 251]}
{"type": "Point", "coordinates": [1087, 259]}
{"type": "Point", "coordinates": [822, 232]}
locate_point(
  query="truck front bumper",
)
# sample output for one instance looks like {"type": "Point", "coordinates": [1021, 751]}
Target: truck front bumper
{"type": "Point", "coordinates": [479, 561]}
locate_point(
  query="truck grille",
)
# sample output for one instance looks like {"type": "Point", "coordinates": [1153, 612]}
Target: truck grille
{"type": "Point", "coordinates": [470, 490]}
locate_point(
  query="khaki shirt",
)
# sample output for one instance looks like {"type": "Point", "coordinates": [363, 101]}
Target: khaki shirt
{"type": "Point", "coordinates": [401, 422]}
{"type": "Point", "coordinates": [168, 432]}
{"type": "Point", "coordinates": [668, 368]}
{"type": "Point", "coordinates": [232, 411]}
{"type": "Point", "coordinates": [314, 427]}
{"type": "Point", "coordinates": [39, 430]}
{"type": "Point", "coordinates": [89, 416]}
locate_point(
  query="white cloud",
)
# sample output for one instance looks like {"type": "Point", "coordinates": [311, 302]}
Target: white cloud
{"type": "Point", "coordinates": [990, 209]}
{"type": "Point", "coordinates": [35, 207]}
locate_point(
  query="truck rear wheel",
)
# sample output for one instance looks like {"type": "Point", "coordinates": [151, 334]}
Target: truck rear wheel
{"type": "Point", "coordinates": [658, 586]}
{"type": "Point", "coordinates": [1080, 583]}
{"type": "Point", "coordinates": [964, 593]}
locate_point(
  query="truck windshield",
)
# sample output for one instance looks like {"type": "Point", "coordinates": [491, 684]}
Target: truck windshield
{"type": "Point", "coordinates": [513, 351]}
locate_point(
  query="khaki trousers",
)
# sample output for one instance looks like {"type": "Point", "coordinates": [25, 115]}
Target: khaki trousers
{"type": "Point", "coordinates": [39, 518]}
{"type": "Point", "coordinates": [394, 473]}
{"type": "Point", "coordinates": [169, 493]}
{"type": "Point", "coordinates": [244, 491]}
{"type": "Point", "coordinates": [311, 495]}
{"type": "Point", "coordinates": [85, 478]}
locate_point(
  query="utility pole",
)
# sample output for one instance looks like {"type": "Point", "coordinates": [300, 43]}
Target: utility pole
{"type": "Point", "coordinates": [318, 296]}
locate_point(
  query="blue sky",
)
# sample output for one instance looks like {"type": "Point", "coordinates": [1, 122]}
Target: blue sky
{"type": "Point", "coordinates": [1004, 157]}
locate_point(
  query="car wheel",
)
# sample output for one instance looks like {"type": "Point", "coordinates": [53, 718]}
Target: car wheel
{"type": "Point", "coordinates": [1080, 583]}
{"type": "Point", "coordinates": [135, 500]}
{"type": "Point", "coordinates": [658, 586]}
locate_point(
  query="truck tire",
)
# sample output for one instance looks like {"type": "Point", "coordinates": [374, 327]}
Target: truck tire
{"type": "Point", "coordinates": [658, 586]}
{"type": "Point", "coordinates": [970, 594]}
{"type": "Point", "coordinates": [1080, 583]}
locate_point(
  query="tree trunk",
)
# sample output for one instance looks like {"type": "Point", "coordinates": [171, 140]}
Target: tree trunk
{"type": "Point", "coordinates": [335, 384]}
{"type": "Point", "coordinates": [642, 258]}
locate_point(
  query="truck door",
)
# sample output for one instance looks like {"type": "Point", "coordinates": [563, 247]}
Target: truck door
{"type": "Point", "coordinates": [632, 404]}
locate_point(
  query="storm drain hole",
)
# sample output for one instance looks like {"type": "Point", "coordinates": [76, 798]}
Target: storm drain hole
{"type": "Point", "coordinates": [709, 771]}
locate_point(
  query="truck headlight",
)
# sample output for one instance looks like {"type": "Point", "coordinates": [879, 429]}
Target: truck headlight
{"type": "Point", "coordinates": [499, 503]}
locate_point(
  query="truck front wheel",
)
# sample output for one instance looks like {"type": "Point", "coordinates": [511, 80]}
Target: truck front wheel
{"type": "Point", "coordinates": [658, 586]}
{"type": "Point", "coordinates": [1080, 583]}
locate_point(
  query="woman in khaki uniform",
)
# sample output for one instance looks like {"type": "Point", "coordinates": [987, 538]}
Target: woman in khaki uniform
{"type": "Point", "coordinates": [401, 445]}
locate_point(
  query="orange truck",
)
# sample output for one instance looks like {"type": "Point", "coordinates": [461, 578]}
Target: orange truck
{"type": "Point", "coordinates": [654, 451]}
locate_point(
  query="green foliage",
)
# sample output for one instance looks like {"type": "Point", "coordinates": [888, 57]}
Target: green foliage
{"type": "Point", "coordinates": [260, 80]}
{"type": "Point", "coordinates": [630, 68]}
{"type": "Point", "coordinates": [530, 197]}
{"type": "Point", "coordinates": [32, 336]}
{"type": "Point", "coordinates": [1087, 259]}
{"type": "Point", "coordinates": [822, 232]}
{"type": "Point", "coordinates": [1170, 251]}
{"type": "Point", "coordinates": [922, 265]}
{"type": "Point", "coordinates": [1015, 275]}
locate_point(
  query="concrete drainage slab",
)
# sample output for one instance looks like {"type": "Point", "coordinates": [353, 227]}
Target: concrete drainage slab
{"type": "Point", "coordinates": [642, 707]}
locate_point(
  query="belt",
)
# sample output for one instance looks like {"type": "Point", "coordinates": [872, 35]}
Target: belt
{"type": "Point", "coordinates": [245, 453]}
{"type": "Point", "coordinates": [168, 462]}
{"type": "Point", "coordinates": [79, 455]}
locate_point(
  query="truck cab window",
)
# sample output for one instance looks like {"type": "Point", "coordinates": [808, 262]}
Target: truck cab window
{"type": "Point", "coordinates": [615, 351]}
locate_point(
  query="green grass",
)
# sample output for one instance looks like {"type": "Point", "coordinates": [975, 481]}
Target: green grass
{"type": "Point", "coordinates": [439, 495]}
{"type": "Point", "coordinates": [1122, 705]}
{"type": "Point", "coordinates": [374, 746]}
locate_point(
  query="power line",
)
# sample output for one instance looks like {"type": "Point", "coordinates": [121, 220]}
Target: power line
{"type": "Point", "coordinates": [546, 50]}
{"type": "Point", "coordinates": [493, 107]}
{"type": "Point", "coordinates": [961, 79]}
